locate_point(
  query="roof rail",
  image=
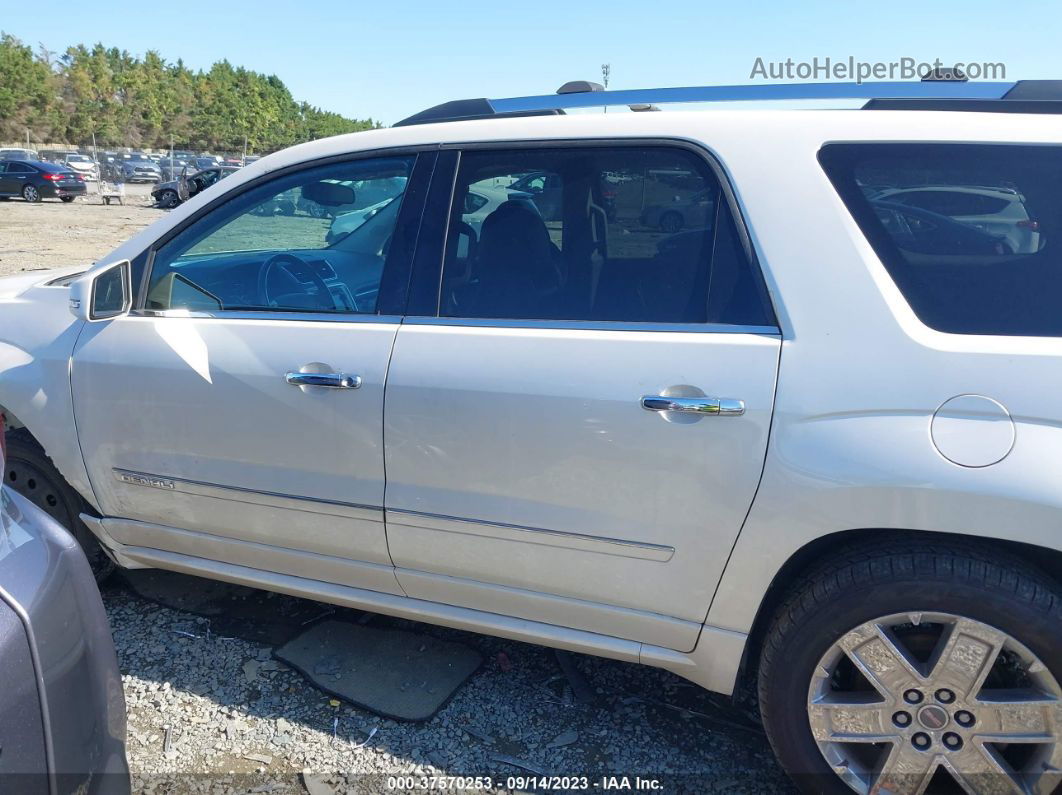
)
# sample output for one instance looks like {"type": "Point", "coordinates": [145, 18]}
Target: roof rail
{"type": "Point", "coordinates": [1027, 96]}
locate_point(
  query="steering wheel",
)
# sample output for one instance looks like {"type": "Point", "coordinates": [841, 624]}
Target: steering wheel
{"type": "Point", "coordinates": [300, 271]}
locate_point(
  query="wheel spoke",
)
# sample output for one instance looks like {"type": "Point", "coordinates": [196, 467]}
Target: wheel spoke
{"type": "Point", "coordinates": [884, 663]}
{"type": "Point", "coordinates": [980, 771]}
{"type": "Point", "coordinates": [850, 722]}
{"type": "Point", "coordinates": [1018, 716]}
{"type": "Point", "coordinates": [967, 655]}
{"type": "Point", "coordinates": [906, 771]}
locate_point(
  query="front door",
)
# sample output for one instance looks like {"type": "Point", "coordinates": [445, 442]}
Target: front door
{"type": "Point", "coordinates": [237, 414]}
{"type": "Point", "coordinates": [577, 435]}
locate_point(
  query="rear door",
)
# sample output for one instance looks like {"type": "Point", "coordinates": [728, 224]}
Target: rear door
{"type": "Point", "coordinates": [576, 421]}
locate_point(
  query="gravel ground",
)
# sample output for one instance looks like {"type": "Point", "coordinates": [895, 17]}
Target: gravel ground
{"type": "Point", "coordinates": [211, 710]}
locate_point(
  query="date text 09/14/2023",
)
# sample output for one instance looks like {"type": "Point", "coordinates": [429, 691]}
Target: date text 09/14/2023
{"type": "Point", "coordinates": [562, 783]}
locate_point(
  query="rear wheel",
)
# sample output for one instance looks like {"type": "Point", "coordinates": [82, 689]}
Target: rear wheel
{"type": "Point", "coordinates": [918, 668]}
{"type": "Point", "coordinates": [31, 194]}
{"type": "Point", "coordinates": [67, 199]}
{"type": "Point", "coordinates": [31, 473]}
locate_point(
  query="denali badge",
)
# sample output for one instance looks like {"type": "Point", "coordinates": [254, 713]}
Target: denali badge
{"type": "Point", "coordinates": [144, 480]}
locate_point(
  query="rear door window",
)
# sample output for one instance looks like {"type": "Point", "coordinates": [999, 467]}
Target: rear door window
{"type": "Point", "coordinates": [971, 234]}
{"type": "Point", "coordinates": [619, 234]}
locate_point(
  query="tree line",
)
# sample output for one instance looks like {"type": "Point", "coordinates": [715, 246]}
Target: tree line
{"type": "Point", "coordinates": [149, 102]}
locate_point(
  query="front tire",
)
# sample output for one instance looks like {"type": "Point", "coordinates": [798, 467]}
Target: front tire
{"type": "Point", "coordinates": [31, 473]}
{"type": "Point", "coordinates": [890, 667]}
{"type": "Point", "coordinates": [169, 199]}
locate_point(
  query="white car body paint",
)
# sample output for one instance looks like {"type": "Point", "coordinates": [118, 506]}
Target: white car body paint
{"type": "Point", "coordinates": [859, 379]}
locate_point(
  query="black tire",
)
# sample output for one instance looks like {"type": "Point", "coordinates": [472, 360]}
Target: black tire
{"type": "Point", "coordinates": [671, 222]}
{"type": "Point", "coordinates": [970, 579]}
{"type": "Point", "coordinates": [31, 473]}
{"type": "Point", "coordinates": [31, 194]}
{"type": "Point", "coordinates": [66, 199]}
{"type": "Point", "coordinates": [169, 199]}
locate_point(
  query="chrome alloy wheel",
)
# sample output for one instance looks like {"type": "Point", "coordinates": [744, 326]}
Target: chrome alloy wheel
{"type": "Point", "coordinates": [913, 699]}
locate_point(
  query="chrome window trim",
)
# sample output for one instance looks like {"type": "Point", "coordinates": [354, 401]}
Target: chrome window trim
{"type": "Point", "coordinates": [315, 317]}
{"type": "Point", "coordinates": [593, 325]}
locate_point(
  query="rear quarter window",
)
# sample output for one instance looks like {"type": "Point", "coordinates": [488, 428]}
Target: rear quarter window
{"type": "Point", "coordinates": [970, 233]}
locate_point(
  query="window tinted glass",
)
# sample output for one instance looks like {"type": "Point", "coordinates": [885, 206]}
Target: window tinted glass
{"type": "Point", "coordinates": [315, 241]}
{"type": "Point", "coordinates": [971, 234]}
{"type": "Point", "coordinates": [596, 233]}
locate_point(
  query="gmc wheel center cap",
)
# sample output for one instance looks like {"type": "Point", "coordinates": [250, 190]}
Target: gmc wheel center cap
{"type": "Point", "coordinates": [933, 717]}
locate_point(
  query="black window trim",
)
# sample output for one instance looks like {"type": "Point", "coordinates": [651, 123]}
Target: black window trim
{"type": "Point", "coordinates": [450, 173]}
{"type": "Point", "coordinates": [417, 213]}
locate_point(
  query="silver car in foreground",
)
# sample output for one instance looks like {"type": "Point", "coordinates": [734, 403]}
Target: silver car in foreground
{"type": "Point", "coordinates": [803, 446]}
{"type": "Point", "coordinates": [62, 714]}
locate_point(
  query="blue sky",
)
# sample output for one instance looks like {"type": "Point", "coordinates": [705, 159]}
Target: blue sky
{"type": "Point", "coordinates": [388, 59]}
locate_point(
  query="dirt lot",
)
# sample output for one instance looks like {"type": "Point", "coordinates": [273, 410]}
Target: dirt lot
{"type": "Point", "coordinates": [212, 710]}
{"type": "Point", "coordinates": [52, 234]}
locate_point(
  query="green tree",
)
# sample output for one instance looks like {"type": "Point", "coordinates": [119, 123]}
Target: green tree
{"type": "Point", "coordinates": [129, 101]}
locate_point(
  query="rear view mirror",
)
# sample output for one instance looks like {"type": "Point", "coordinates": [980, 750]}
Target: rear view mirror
{"type": "Point", "coordinates": [104, 294]}
{"type": "Point", "coordinates": [329, 194]}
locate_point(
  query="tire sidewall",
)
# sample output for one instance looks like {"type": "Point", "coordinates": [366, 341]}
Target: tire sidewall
{"type": "Point", "coordinates": [29, 191]}
{"type": "Point", "coordinates": [786, 686]}
{"type": "Point", "coordinates": [19, 449]}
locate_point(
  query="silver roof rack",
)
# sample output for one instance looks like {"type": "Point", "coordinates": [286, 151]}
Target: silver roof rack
{"type": "Point", "coordinates": [1026, 96]}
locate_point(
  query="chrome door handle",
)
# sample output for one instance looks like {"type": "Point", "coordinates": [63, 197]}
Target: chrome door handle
{"type": "Point", "coordinates": [722, 407]}
{"type": "Point", "coordinates": [330, 380]}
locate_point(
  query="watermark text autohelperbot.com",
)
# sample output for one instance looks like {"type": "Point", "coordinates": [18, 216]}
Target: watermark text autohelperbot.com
{"type": "Point", "coordinates": [852, 69]}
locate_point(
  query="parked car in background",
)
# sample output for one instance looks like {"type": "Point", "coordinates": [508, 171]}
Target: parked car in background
{"type": "Point", "coordinates": [18, 154]}
{"type": "Point", "coordinates": [62, 713]}
{"type": "Point", "coordinates": [139, 169]}
{"type": "Point", "coordinates": [34, 180]}
{"type": "Point", "coordinates": [804, 447]}
{"type": "Point", "coordinates": [251, 159]}
{"type": "Point", "coordinates": [168, 194]}
{"type": "Point", "coordinates": [171, 168]}
{"type": "Point", "coordinates": [999, 211]}
{"type": "Point", "coordinates": [925, 232]}
{"type": "Point", "coordinates": [203, 162]}
{"type": "Point", "coordinates": [82, 164]}
{"type": "Point", "coordinates": [692, 211]}
{"type": "Point", "coordinates": [542, 189]}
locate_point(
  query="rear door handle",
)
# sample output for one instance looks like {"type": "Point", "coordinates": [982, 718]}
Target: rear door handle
{"type": "Point", "coordinates": [721, 407]}
{"type": "Point", "coordinates": [330, 380]}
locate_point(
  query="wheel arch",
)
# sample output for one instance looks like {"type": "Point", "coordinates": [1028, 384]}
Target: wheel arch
{"type": "Point", "coordinates": [813, 553]}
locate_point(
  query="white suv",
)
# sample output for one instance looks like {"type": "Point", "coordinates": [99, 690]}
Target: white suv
{"type": "Point", "coordinates": [806, 446]}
